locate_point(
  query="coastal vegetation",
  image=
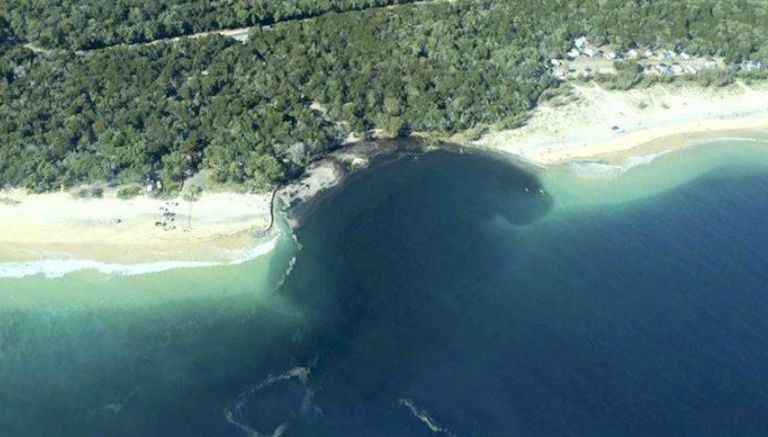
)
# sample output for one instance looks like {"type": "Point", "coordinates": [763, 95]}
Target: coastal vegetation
{"type": "Point", "coordinates": [256, 113]}
{"type": "Point", "coordinates": [90, 24]}
{"type": "Point", "coordinates": [7, 37]}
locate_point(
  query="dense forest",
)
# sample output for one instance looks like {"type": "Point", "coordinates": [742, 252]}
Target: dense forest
{"type": "Point", "coordinates": [89, 24]}
{"type": "Point", "coordinates": [256, 113]}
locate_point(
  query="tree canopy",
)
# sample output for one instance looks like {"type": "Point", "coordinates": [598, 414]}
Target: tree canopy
{"type": "Point", "coordinates": [88, 24]}
{"type": "Point", "coordinates": [256, 113]}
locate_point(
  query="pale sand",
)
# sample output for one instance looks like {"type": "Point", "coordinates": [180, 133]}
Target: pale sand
{"type": "Point", "coordinates": [652, 120]}
{"type": "Point", "coordinates": [218, 226]}
{"type": "Point", "coordinates": [221, 226]}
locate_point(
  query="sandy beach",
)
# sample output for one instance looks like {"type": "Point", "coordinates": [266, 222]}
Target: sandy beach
{"type": "Point", "coordinates": [595, 123]}
{"type": "Point", "coordinates": [218, 226]}
{"type": "Point", "coordinates": [587, 123]}
{"type": "Point", "coordinates": [146, 233]}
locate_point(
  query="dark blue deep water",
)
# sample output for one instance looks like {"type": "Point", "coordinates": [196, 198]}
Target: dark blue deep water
{"type": "Point", "coordinates": [440, 283]}
{"type": "Point", "coordinates": [445, 294]}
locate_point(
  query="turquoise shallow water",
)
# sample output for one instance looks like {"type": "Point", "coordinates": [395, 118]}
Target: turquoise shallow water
{"type": "Point", "coordinates": [447, 293]}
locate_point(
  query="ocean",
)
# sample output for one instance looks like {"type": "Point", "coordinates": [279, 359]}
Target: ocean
{"type": "Point", "coordinates": [442, 293]}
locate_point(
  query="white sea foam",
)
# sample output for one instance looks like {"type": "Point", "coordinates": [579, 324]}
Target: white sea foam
{"type": "Point", "coordinates": [56, 268]}
{"type": "Point", "coordinates": [262, 249]}
{"type": "Point", "coordinates": [424, 417]}
{"type": "Point", "coordinates": [233, 414]}
{"type": "Point", "coordinates": [734, 139]}
{"type": "Point", "coordinates": [603, 169]}
{"type": "Point", "coordinates": [606, 170]}
{"type": "Point", "coordinates": [287, 273]}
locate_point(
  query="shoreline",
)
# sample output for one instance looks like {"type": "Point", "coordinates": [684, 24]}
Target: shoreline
{"type": "Point", "coordinates": [146, 234]}
{"type": "Point", "coordinates": [659, 141]}
{"type": "Point", "coordinates": [613, 126]}
{"type": "Point", "coordinates": [58, 233]}
{"type": "Point", "coordinates": [60, 226]}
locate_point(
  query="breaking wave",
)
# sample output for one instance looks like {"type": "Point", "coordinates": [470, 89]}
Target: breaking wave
{"type": "Point", "coordinates": [604, 169]}
{"type": "Point", "coordinates": [56, 268]}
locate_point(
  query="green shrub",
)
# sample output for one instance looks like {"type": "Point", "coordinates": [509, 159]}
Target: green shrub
{"type": "Point", "coordinates": [128, 192]}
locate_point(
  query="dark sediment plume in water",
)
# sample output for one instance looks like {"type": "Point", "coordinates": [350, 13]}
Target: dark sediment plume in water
{"type": "Point", "coordinates": [438, 293]}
